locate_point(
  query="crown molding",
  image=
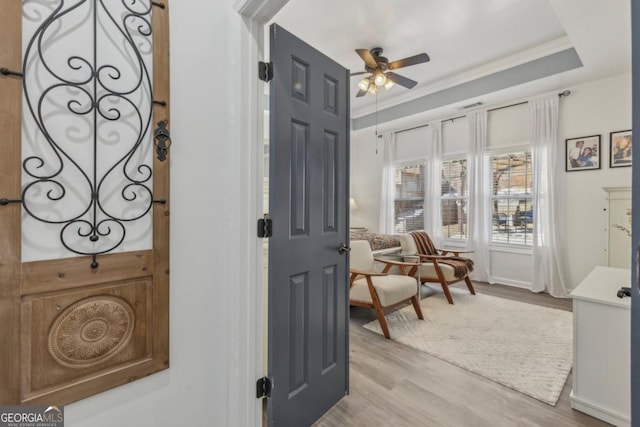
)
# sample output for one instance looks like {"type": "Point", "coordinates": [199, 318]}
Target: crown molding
{"type": "Point", "coordinates": [528, 72]}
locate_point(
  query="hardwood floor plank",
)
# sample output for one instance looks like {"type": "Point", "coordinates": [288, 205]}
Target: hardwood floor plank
{"type": "Point", "coordinates": [395, 385]}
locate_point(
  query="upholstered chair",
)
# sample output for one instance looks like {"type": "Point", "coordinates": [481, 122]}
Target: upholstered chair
{"type": "Point", "coordinates": [442, 266]}
{"type": "Point", "coordinates": [380, 291]}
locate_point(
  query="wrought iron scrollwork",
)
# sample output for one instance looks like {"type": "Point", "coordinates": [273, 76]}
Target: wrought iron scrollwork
{"type": "Point", "coordinates": [91, 196]}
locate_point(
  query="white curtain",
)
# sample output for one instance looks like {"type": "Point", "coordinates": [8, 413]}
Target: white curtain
{"type": "Point", "coordinates": [387, 208]}
{"type": "Point", "coordinates": [432, 188]}
{"type": "Point", "coordinates": [479, 215]}
{"type": "Point", "coordinates": [548, 164]}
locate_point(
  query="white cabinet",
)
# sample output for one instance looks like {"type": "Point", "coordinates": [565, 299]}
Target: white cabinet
{"type": "Point", "coordinates": [602, 346]}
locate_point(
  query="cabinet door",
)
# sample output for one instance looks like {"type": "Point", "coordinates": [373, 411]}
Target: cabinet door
{"type": "Point", "coordinates": [602, 339]}
{"type": "Point", "coordinates": [619, 228]}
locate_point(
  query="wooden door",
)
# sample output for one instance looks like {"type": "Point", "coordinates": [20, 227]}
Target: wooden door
{"type": "Point", "coordinates": [80, 325]}
{"type": "Point", "coordinates": [308, 270]}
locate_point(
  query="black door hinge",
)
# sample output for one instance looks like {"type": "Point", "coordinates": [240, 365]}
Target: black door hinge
{"type": "Point", "coordinates": [263, 388]}
{"type": "Point", "coordinates": [265, 71]}
{"type": "Point", "coordinates": [265, 226]}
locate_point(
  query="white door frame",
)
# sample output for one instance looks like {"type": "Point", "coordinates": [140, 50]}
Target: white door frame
{"type": "Point", "coordinates": [245, 353]}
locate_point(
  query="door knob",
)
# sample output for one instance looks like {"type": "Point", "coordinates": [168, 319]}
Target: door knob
{"type": "Point", "coordinates": [343, 249]}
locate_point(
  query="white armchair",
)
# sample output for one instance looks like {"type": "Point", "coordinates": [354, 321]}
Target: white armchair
{"type": "Point", "coordinates": [380, 291]}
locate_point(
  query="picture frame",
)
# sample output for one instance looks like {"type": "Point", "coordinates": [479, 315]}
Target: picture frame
{"type": "Point", "coordinates": [583, 153]}
{"type": "Point", "coordinates": [620, 149]}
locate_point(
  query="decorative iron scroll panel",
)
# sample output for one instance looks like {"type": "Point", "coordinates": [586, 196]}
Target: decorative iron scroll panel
{"type": "Point", "coordinates": [87, 163]}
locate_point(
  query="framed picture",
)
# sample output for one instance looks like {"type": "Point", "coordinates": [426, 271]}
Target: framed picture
{"type": "Point", "coordinates": [620, 149]}
{"type": "Point", "coordinates": [583, 153]}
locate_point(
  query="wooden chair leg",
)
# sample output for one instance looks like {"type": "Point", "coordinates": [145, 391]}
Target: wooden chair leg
{"type": "Point", "coordinates": [447, 293]}
{"type": "Point", "coordinates": [383, 323]}
{"type": "Point", "coordinates": [470, 285]}
{"type": "Point", "coordinates": [443, 282]}
{"type": "Point", "coordinates": [416, 307]}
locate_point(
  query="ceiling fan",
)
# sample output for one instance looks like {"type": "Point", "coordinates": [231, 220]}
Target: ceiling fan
{"type": "Point", "coordinates": [378, 66]}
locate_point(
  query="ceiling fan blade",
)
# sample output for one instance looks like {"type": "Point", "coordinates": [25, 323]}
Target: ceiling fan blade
{"type": "Point", "coordinates": [367, 57]}
{"type": "Point", "coordinates": [358, 73]}
{"type": "Point", "coordinates": [361, 93]}
{"type": "Point", "coordinates": [401, 80]}
{"type": "Point", "coordinates": [412, 60]}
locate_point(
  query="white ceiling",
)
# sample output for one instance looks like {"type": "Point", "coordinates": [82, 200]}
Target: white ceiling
{"type": "Point", "coordinates": [466, 40]}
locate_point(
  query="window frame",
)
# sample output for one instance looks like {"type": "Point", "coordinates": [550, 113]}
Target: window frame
{"type": "Point", "coordinates": [404, 163]}
{"type": "Point", "coordinates": [449, 157]}
{"type": "Point", "coordinates": [489, 154]}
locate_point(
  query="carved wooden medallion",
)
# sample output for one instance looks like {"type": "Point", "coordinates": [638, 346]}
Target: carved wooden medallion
{"type": "Point", "coordinates": [91, 331]}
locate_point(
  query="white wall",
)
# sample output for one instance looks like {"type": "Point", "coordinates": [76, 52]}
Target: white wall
{"type": "Point", "coordinates": [366, 179]}
{"type": "Point", "coordinates": [207, 234]}
{"type": "Point", "coordinates": [597, 107]}
{"type": "Point", "coordinates": [366, 169]}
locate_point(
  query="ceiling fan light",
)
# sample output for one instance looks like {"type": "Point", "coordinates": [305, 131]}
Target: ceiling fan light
{"type": "Point", "coordinates": [364, 84]}
{"type": "Point", "coordinates": [373, 89]}
{"type": "Point", "coordinates": [379, 79]}
{"type": "Point", "coordinates": [389, 84]}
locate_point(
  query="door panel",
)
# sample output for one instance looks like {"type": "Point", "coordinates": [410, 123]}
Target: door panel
{"type": "Point", "coordinates": [299, 179]}
{"type": "Point", "coordinates": [330, 325]}
{"type": "Point", "coordinates": [47, 276]}
{"type": "Point", "coordinates": [79, 335]}
{"type": "Point", "coordinates": [308, 287]}
{"type": "Point", "coordinates": [74, 327]}
{"type": "Point", "coordinates": [330, 183]}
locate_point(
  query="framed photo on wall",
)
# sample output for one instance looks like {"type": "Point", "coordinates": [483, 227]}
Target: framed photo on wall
{"type": "Point", "coordinates": [583, 153]}
{"type": "Point", "coordinates": [620, 149]}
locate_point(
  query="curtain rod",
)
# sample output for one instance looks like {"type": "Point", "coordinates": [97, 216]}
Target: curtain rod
{"type": "Point", "coordinates": [561, 94]}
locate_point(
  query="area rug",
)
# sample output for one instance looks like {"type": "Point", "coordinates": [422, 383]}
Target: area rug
{"type": "Point", "coordinates": [522, 346]}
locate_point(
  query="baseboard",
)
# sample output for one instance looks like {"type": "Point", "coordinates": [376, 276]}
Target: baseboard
{"type": "Point", "coordinates": [510, 282]}
{"type": "Point", "coordinates": [595, 410]}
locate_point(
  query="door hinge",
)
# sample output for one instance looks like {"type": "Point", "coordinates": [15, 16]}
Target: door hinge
{"type": "Point", "coordinates": [265, 226]}
{"type": "Point", "coordinates": [265, 71]}
{"type": "Point", "coordinates": [263, 388]}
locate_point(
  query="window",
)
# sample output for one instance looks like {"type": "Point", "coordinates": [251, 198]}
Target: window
{"type": "Point", "coordinates": [454, 199]}
{"type": "Point", "coordinates": [409, 198]}
{"type": "Point", "coordinates": [512, 214]}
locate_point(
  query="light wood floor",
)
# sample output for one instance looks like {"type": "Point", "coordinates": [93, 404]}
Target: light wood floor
{"type": "Point", "coordinates": [395, 385]}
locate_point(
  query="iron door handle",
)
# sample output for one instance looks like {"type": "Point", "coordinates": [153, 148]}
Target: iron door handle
{"type": "Point", "coordinates": [343, 249]}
